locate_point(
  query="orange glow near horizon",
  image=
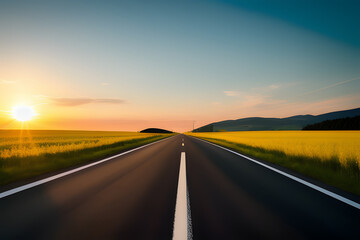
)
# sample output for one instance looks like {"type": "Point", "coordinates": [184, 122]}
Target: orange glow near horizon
{"type": "Point", "coordinates": [135, 69]}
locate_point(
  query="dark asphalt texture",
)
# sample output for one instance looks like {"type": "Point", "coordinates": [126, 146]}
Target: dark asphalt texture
{"type": "Point", "coordinates": [133, 197]}
{"type": "Point", "coordinates": [130, 197]}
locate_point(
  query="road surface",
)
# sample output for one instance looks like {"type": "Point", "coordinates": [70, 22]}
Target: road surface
{"type": "Point", "coordinates": [134, 196]}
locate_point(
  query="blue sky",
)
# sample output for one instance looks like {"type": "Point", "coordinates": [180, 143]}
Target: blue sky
{"type": "Point", "coordinates": [172, 62]}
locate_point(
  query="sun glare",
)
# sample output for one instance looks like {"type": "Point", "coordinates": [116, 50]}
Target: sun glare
{"type": "Point", "coordinates": [23, 113]}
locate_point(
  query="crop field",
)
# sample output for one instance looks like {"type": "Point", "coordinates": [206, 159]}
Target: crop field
{"type": "Point", "coordinates": [330, 156]}
{"type": "Point", "coordinates": [27, 153]}
{"type": "Point", "coordinates": [35, 143]}
{"type": "Point", "coordinates": [344, 145]}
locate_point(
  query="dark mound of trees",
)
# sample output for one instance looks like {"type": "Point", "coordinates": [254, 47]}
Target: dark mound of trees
{"type": "Point", "coordinates": [155, 130]}
{"type": "Point", "coordinates": [349, 123]}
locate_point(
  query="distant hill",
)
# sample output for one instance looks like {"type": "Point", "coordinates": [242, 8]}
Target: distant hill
{"type": "Point", "coordinates": [349, 123]}
{"type": "Point", "coordinates": [290, 123]}
{"type": "Point", "coordinates": [155, 130]}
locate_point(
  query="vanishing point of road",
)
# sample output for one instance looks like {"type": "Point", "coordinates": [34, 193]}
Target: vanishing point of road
{"type": "Point", "coordinates": [136, 195]}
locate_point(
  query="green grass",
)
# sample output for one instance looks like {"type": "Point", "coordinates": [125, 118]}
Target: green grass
{"type": "Point", "coordinates": [16, 169]}
{"type": "Point", "coordinates": [331, 171]}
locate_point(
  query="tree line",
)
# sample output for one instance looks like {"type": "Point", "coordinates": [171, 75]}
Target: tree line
{"type": "Point", "coordinates": [349, 123]}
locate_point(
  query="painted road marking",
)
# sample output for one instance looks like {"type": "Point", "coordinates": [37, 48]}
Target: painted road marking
{"type": "Point", "coordinates": [42, 181]}
{"type": "Point", "coordinates": [313, 186]}
{"type": "Point", "coordinates": [182, 219]}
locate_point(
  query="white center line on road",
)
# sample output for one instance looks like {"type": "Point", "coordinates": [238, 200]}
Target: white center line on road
{"type": "Point", "coordinates": [45, 180]}
{"type": "Point", "coordinates": [182, 219]}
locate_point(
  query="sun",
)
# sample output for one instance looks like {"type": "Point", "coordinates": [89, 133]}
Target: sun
{"type": "Point", "coordinates": [23, 113]}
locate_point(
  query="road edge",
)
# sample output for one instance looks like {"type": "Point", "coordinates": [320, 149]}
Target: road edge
{"type": "Point", "coordinates": [288, 175]}
{"type": "Point", "coordinates": [66, 173]}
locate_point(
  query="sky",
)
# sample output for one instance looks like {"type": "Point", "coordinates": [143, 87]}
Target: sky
{"type": "Point", "coordinates": [129, 65]}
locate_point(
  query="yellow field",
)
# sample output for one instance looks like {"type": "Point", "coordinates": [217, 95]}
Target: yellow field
{"type": "Point", "coordinates": [17, 143]}
{"type": "Point", "coordinates": [343, 145]}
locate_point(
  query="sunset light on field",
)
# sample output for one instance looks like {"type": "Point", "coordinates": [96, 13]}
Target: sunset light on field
{"type": "Point", "coordinates": [181, 119]}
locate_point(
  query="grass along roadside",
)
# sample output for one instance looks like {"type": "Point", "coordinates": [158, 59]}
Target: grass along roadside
{"type": "Point", "coordinates": [17, 168]}
{"type": "Point", "coordinates": [330, 171]}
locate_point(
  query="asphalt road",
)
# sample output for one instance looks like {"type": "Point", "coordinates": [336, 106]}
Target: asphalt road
{"type": "Point", "coordinates": [134, 196]}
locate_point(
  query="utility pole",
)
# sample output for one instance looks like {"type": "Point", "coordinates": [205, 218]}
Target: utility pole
{"type": "Point", "coordinates": [193, 125]}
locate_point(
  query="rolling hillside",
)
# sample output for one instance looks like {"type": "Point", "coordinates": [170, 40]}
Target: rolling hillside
{"type": "Point", "coordinates": [261, 124]}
